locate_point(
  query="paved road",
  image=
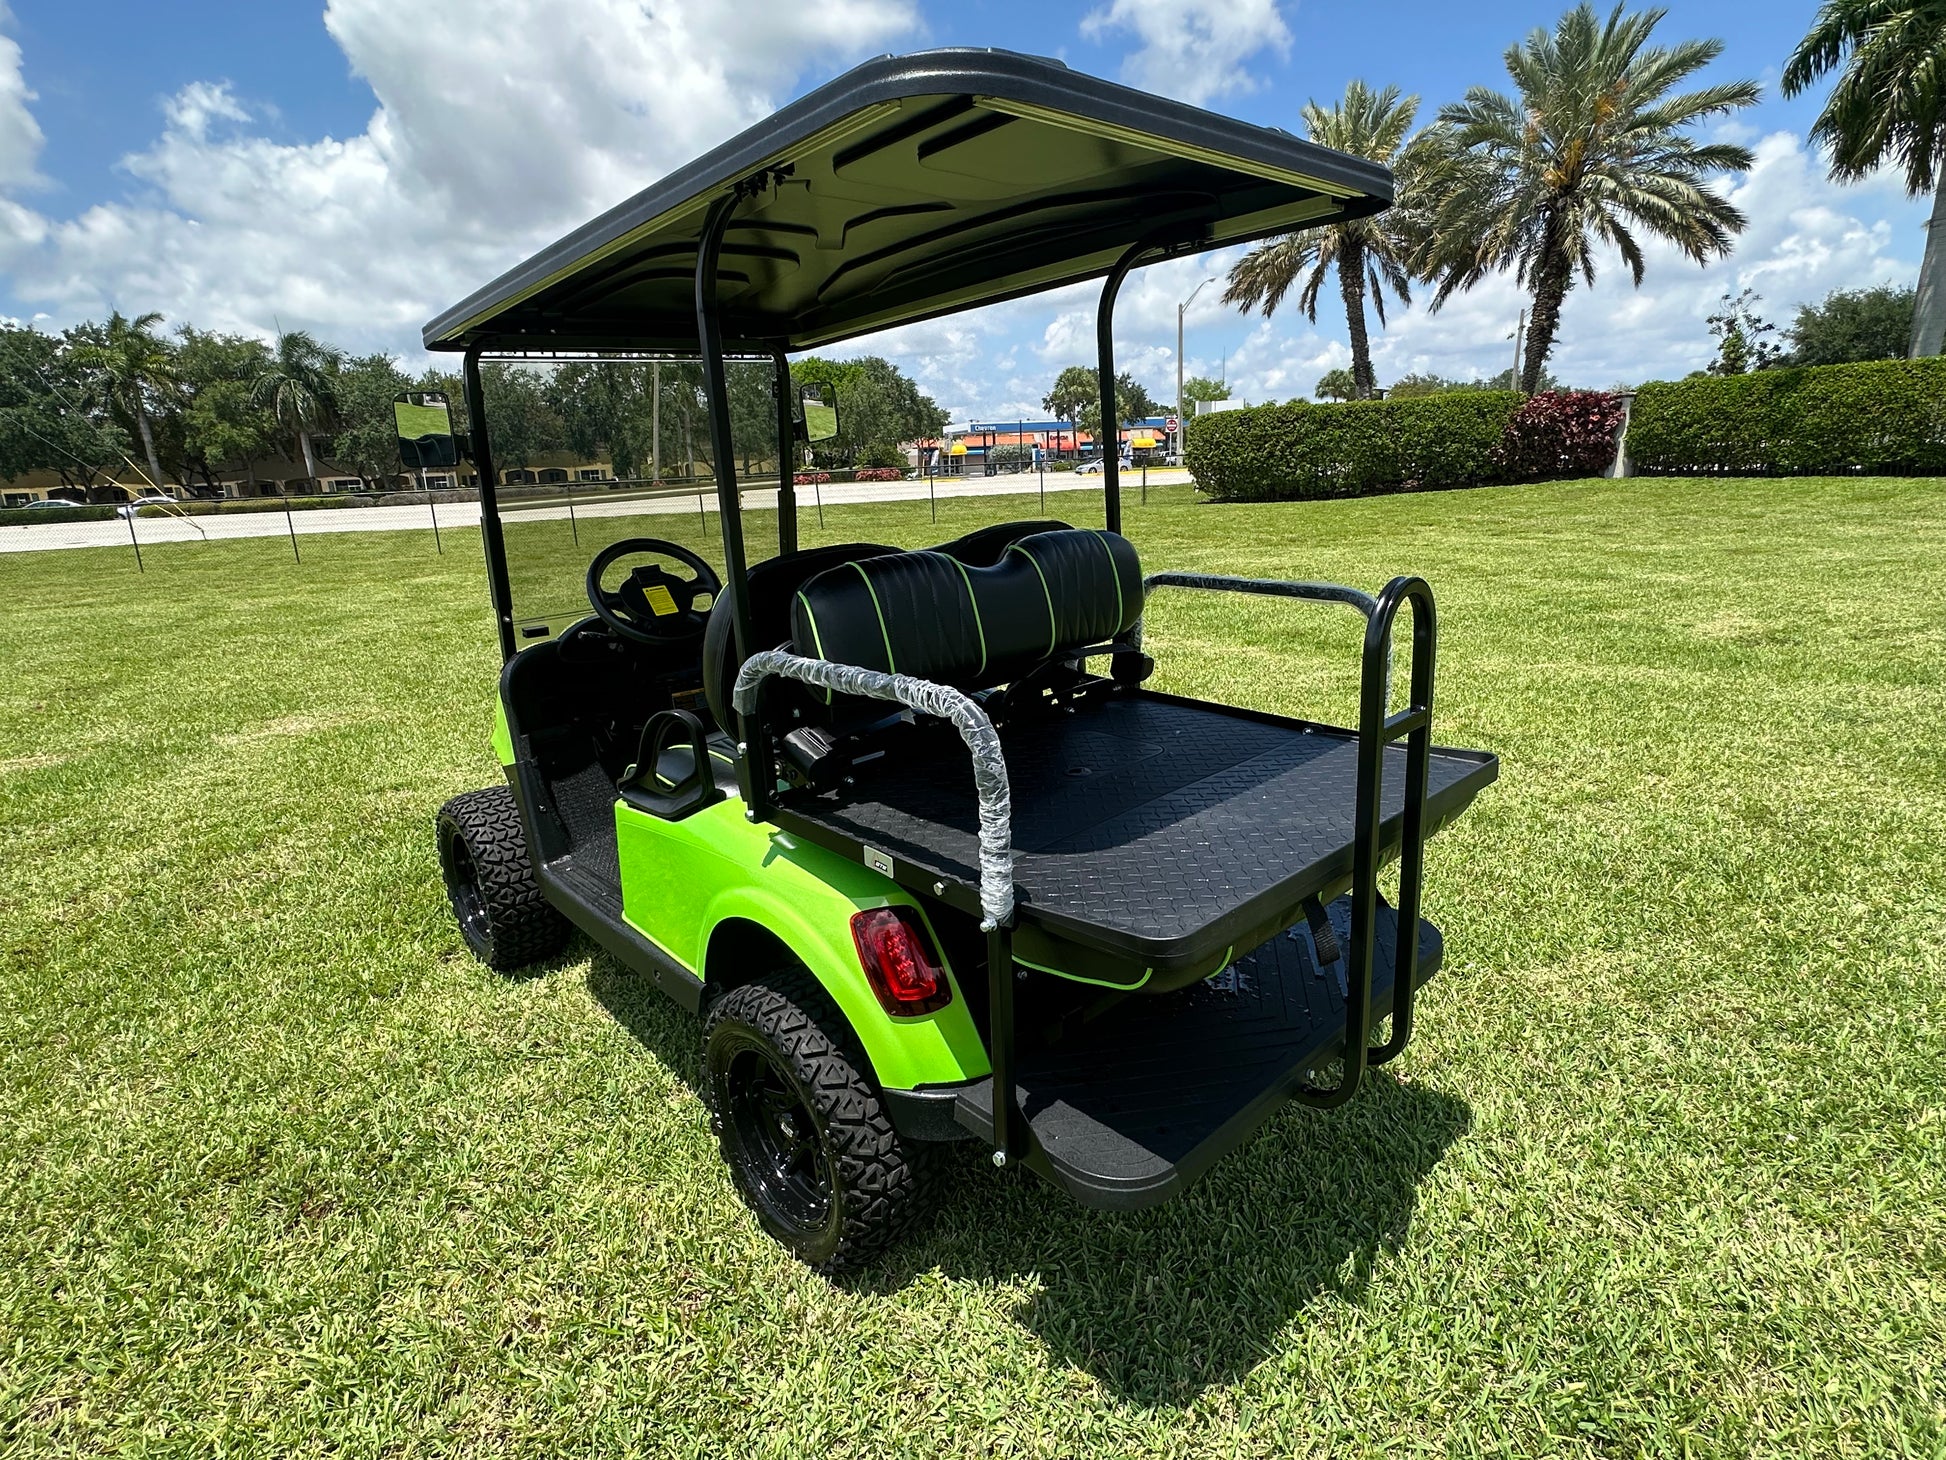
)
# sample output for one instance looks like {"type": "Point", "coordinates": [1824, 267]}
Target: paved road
{"type": "Point", "coordinates": [53, 535]}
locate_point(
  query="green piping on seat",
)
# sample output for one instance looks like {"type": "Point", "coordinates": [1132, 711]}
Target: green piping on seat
{"type": "Point", "coordinates": [974, 601]}
{"type": "Point", "coordinates": [884, 633]}
{"type": "Point", "coordinates": [1101, 983]}
{"type": "Point", "coordinates": [1114, 572]}
{"type": "Point", "coordinates": [1053, 628]}
{"type": "Point", "coordinates": [817, 639]}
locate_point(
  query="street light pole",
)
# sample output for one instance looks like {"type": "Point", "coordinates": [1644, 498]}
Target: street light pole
{"type": "Point", "coordinates": [1182, 416]}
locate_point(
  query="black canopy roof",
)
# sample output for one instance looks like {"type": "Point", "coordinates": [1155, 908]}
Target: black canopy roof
{"type": "Point", "coordinates": [910, 187]}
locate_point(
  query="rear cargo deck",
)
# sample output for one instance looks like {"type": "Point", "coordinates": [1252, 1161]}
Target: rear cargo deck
{"type": "Point", "coordinates": [1135, 1109]}
{"type": "Point", "coordinates": [1153, 827]}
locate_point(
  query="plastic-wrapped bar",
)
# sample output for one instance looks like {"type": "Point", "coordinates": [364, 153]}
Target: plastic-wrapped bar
{"type": "Point", "coordinates": [982, 740]}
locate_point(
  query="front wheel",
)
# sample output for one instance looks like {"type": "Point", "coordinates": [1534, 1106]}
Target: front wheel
{"type": "Point", "coordinates": [806, 1137]}
{"type": "Point", "coordinates": [502, 913]}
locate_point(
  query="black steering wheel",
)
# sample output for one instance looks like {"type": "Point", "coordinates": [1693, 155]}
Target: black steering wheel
{"type": "Point", "coordinates": [653, 605]}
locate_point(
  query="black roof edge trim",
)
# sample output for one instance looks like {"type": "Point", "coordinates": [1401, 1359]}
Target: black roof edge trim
{"type": "Point", "coordinates": [1002, 75]}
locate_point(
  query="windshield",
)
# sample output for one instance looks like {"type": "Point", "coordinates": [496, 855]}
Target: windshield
{"type": "Point", "coordinates": [590, 452]}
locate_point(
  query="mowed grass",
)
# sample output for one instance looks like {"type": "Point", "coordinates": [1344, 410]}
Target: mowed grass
{"type": "Point", "coordinates": [283, 1171]}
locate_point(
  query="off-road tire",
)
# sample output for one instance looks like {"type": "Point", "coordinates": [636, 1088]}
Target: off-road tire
{"type": "Point", "coordinates": [490, 882]}
{"type": "Point", "coordinates": [877, 1181]}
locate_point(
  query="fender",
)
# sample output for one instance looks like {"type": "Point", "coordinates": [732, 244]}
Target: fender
{"type": "Point", "coordinates": [929, 1049]}
{"type": "Point", "coordinates": [682, 881]}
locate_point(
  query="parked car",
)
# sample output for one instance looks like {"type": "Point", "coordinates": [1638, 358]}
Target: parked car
{"type": "Point", "coordinates": [1088, 466]}
{"type": "Point", "coordinates": [47, 502]}
{"type": "Point", "coordinates": [129, 509]}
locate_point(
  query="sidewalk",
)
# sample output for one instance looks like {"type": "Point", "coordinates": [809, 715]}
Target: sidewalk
{"type": "Point", "coordinates": [43, 537]}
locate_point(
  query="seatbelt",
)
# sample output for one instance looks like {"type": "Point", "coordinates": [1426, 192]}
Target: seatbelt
{"type": "Point", "coordinates": [1324, 944]}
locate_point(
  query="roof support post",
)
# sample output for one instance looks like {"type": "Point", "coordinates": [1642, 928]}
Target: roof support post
{"type": "Point", "coordinates": [498, 586]}
{"type": "Point", "coordinates": [786, 459]}
{"type": "Point", "coordinates": [709, 330]}
{"type": "Point", "coordinates": [755, 776]}
{"type": "Point", "coordinates": [1109, 438]}
{"type": "Point", "coordinates": [1166, 242]}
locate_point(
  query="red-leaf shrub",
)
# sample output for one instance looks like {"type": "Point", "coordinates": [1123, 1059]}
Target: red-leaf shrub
{"type": "Point", "coordinates": [1563, 433]}
{"type": "Point", "coordinates": [878, 474]}
{"type": "Point", "coordinates": [812, 478]}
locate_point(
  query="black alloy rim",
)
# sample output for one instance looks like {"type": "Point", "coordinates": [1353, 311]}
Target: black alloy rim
{"type": "Point", "coordinates": [778, 1145]}
{"type": "Point", "coordinates": [463, 887]}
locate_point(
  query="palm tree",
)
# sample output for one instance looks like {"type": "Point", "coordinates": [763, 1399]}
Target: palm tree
{"type": "Point", "coordinates": [300, 386]}
{"type": "Point", "coordinates": [1887, 106]}
{"type": "Point", "coordinates": [137, 375]}
{"type": "Point", "coordinates": [1368, 253]}
{"type": "Point", "coordinates": [1595, 149]}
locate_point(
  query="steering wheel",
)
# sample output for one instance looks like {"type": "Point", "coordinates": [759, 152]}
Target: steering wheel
{"type": "Point", "coordinates": [653, 605]}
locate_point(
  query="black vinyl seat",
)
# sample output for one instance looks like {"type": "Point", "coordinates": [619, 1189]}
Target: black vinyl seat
{"type": "Point", "coordinates": [931, 615]}
{"type": "Point", "coordinates": [773, 587]}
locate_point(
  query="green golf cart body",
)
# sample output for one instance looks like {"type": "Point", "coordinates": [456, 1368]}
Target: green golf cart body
{"type": "Point", "coordinates": [908, 829]}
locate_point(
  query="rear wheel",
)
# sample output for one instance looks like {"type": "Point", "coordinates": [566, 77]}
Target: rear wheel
{"type": "Point", "coordinates": [502, 914]}
{"type": "Point", "coordinates": [801, 1125]}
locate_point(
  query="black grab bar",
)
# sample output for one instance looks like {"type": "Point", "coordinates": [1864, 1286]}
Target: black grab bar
{"type": "Point", "coordinates": [1376, 730]}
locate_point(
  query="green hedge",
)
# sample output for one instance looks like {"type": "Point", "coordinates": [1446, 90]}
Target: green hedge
{"type": "Point", "coordinates": [1882, 416]}
{"type": "Point", "coordinates": [1302, 451]}
{"type": "Point", "coordinates": [32, 516]}
{"type": "Point", "coordinates": [244, 506]}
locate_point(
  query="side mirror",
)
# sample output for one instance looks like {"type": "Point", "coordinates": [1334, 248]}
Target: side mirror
{"type": "Point", "coordinates": [820, 420]}
{"type": "Point", "coordinates": [425, 426]}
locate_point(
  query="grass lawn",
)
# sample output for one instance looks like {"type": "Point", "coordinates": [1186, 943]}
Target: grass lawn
{"type": "Point", "coordinates": [283, 1171]}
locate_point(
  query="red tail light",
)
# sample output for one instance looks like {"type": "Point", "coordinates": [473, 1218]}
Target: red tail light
{"type": "Point", "coordinates": [899, 961]}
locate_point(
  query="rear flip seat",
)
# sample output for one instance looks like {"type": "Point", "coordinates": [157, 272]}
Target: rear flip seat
{"type": "Point", "coordinates": [931, 616]}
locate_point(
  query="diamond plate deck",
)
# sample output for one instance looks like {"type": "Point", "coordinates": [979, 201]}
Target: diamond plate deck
{"type": "Point", "coordinates": [1144, 1102]}
{"type": "Point", "coordinates": [1156, 827]}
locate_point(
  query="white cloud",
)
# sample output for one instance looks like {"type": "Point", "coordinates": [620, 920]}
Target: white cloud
{"type": "Point", "coordinates": [1192, 49]}
{"type": "Point", "coordinates": [529, 123]}
{"type": "Point", "coordinates": [20, 134]}
{"type": "Point", "coordinates": [498, 127]}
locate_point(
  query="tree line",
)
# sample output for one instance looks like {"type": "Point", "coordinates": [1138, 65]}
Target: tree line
{"type": "Point", "coordinates": [192, 407]}
{"type": "Point", "coordinates": [1594, 151]}
{"type": "Point", "coordinates": [1847, 327]}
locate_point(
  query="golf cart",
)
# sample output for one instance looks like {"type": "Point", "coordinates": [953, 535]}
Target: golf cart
{"type": "Point", "coordinates": [909, 830]}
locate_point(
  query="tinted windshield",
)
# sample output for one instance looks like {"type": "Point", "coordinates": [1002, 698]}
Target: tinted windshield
{"type": "Point", "coordinates": [593, 452]}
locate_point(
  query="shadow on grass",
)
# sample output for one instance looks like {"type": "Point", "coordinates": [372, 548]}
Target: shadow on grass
{"type": "Point", "coordinates": [1161, 1304]}
{"type": "Point", "coordinates": [669, 1033]}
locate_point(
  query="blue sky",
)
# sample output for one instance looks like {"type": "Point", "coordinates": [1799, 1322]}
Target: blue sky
{"type": "Point", "coordinates": [353, 168]}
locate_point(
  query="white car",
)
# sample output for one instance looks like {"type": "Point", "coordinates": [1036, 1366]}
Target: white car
{"type": "Point", "coordinates": [1088, 466]}
{"type": "Point", "coordinates": [129, 509]}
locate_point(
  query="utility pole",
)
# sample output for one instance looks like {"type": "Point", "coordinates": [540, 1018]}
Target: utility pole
{"type": "Point", "coordinates": [655, 423]}
{"type": "Point", "coordinates": [1520, 328]}
{"type": "Point", "coordinates": [1182, 416]}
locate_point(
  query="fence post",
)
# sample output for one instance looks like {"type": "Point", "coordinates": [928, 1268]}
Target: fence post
{"type": "Point", "coordinates": [289, 523]}
{"type": "Point", "coordinates": [140, 567]}
{"type": "Point", "coordinates": [436, 546]}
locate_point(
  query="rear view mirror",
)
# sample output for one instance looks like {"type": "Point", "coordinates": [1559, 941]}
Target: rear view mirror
{"type": "Point", "coordinates": [425, 426]}
{"type": "Point", "coordinates": [820, 420]}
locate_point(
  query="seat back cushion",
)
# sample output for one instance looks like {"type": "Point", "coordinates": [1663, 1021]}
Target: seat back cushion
{"type": "Point", "coordinates": [985, 546]}
{"type": "Point", "coordinates": [928, 614]}
{"type": "Point", "coordinates": [773, 588]}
